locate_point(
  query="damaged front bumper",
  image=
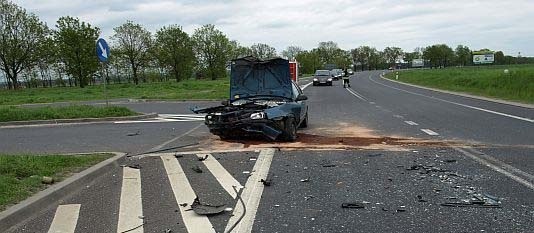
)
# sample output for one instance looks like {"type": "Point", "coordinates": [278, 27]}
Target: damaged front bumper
{"type": "Point", "coordinates": [244, 127]}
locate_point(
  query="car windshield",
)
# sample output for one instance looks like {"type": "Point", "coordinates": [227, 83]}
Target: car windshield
{"type": "Point", "coordinates": [322, 73]}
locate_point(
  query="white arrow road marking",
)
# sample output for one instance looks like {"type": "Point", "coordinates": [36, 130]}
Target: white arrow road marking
{"type": "Point", "coordinates": [226, 180]}
{"type": "Point", "coordinates": [184, 193]}
{"type": "Point", "coordinates": [131, 205]}
{"type": "Point", "coordinates": [104, 51]}
{"type": "Point", "coordinates": [430, 132]}
{"type": "Point", "coordinates": [65, 219]}
{"type": "Point", "coordinates": [410, 123]}
{"type": "Point", "coordinates": [251, 195]}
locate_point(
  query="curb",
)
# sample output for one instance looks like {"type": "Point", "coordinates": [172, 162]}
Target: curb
{"type": "Point", "coordinates": [44, 199]}
{"type": "Point", "coordinates": [79, 120]}
{"type": "Point", "coordinates": [531, 106]}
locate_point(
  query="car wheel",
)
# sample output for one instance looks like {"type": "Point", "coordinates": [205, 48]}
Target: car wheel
{"type": "Point", "coordinates": [290, 130]}
{"type": "Point", "coordinates": [304, 123]}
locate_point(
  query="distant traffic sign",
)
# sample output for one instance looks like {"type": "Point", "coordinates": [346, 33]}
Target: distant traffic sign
{"type": "Point", "coordinates": [102, 50]}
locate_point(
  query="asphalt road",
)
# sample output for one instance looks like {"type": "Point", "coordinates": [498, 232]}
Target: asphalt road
{"type": "Point", "coordinates": [400, 153]}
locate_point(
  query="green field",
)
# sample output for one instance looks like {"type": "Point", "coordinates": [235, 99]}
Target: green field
{"type": "Point", "coordinates": [22, 175]}
{"type": "Point", "coordinates": [489, 81]}
{"type": "Point", "coordinates": [184, 90]}
{"type": "Point", "coordinates": [13, 113]}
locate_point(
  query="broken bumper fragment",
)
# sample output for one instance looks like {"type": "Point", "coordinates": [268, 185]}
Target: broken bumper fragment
{"type": "Point", "coordinates": [227, 128]}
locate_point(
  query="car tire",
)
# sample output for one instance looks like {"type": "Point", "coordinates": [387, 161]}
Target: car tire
{"type": "Point", "coordinates": [304, 123]}
{"type": "Point", "coordinates": [290, 130]}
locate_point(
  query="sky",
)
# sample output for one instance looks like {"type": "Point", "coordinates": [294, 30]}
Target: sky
{"type": "Point", "coordinates": [494, 24]}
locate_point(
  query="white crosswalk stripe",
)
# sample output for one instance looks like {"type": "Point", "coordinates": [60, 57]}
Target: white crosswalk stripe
{"type": "Point", "coordinates": [65, 219]}
{"type": "Point", "coordinates": [167, 118]}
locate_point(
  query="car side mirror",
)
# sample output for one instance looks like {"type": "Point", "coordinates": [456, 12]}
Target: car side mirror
{"type": "Point", "coordinates": [301, 98]}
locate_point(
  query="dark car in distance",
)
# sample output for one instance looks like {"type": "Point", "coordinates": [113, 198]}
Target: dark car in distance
{"type": "Point", "coordinates": [264, 101]}
{"type": "Point", "coordinates": [322, 77]}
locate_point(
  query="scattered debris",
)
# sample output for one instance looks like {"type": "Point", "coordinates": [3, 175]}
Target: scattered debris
{"type": "Point", "coordinates": [202, 158]}
{"type": "Point", "coordinates": [228, 209]}
{"type": "Point", "coordinates": [183, 205]}
{"type": "Point", "coordinates": [477, 201]}
{"type": "Point", "coordinates": [420, 198]}
{"type": "Point", "coordinates": [329, 165]}
{"type": "Point", "coordinates": [246, 172]}
{"type": "Point", "coordinates": [133, 134]}
{"type": "Point", "coordinates": [178, 156]}
{"type": "Point", "coordinates": [135, 166]}
{"type": "Point", "coordinates": [253, 158]}
{"type": "Point", "coordinates": [353, 205]}
{"type": "Point", "coordinates": [168, 230]}
{"type": "Point", "coordinates": [401, 208]}
{"type": "Point", "coordinates": [309, 197]}
{"type": "Point", "coordinates": [450, 161]}
{"type": "Point", "coordinates": [205, 209]}
{"type": "Point", "coordinates": [267, 182]}
{"type": "Point", "coordinates": [385, 209]}
{"type": "Point", "coordinates": [375, 155]}
{"type": "Point", "coordinates": [425, 169]}
{"type": "Point", "coordinates": [47, 180]}
{"type": "Point", "coordinates": [197, 169]}
{"type": "Point", "coordinates": [276, 205]}
{"type": "Point", "coordinates": [305, 180]}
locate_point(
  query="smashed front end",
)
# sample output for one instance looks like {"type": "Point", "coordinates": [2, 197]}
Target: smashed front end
{"type": "Point", "coordinates": [248, 120]}
{"type": "Point", "coordinates": [260, 99]}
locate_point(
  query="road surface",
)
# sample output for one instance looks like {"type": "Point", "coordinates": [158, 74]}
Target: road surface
{"type": "Point", "coordinates": [401, 153]}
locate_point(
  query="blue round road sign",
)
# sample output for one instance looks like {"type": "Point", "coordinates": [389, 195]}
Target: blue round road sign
{"type": "Point", "coordinates": [102, 50]}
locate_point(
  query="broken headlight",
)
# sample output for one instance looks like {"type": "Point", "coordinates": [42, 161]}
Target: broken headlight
{"type": "Point", "coordinates": [257, 116]}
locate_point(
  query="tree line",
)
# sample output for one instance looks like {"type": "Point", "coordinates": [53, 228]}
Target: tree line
{"type": "Point", "coordinates": [33, 54]}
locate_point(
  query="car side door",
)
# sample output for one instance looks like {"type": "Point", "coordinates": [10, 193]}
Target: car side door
{"type": "Point", "coordinates": [302, 103]}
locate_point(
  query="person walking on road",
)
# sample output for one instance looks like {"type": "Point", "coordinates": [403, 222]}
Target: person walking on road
{"type": "Point", "coordinates": [346, 81]}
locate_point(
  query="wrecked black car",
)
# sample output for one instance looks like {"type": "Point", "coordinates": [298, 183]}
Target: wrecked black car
{"type": "Point", "coordinates": [264, 101]}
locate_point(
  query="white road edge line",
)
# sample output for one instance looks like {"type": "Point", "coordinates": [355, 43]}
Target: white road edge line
{"type": "Point", "coordinates": [131, 204]}
{"type": "Point", "coordinates": [65, 219]}
{"type": "Point", "coordinates": [497, 168]}
{"type": "Point", "coordinates": [459, 104]}
{"type": "Point", "coordinates": [304, 86]}
{"type": "Point", "coordinates": [251, 194]}
{"type": "Point", "coordinates": [410, 123]}
{"type": "Point", "coordinates": [430, 132]}
{"type": "Point", "coordinates": [226, 180]}
{"type": "Point", "coordinates": [184, 193]}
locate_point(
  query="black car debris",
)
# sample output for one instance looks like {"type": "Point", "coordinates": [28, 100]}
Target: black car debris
{"type": "Point", "coordinates": [264, 101]}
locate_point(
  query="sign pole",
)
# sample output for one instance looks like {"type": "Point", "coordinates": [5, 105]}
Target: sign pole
{"type": "Point", "coordinates": [105, 82]}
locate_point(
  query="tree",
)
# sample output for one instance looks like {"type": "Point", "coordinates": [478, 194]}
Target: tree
{"type": "Point", "coordinates": [409, 57]}
{"type": "Point", "coordinates": [328, 51]}
{"type": "Point", "coordinates": [463, 55]}
{"type": "Point", "coordinates": [363, 55]}
{"type": "Point", "coordinates": [263, 51]}
{"type": "Point", "coordinates": [291, 52]}
{"type": "Point", "coordinates": [499, 58]}
{"type": "Point", "coordinates": [133, 43]}
{"type": "Point", "coordinates": [309, 61]}
{"type": "Point", "coordinates": [439, 55]}
{"type": "Point", "coordinates": [392, 54]}
{"type": "Point", "coordinates": [212, 48]}
{"type": "Point", "coordinates": [76, 42]}
{"type": "Point", "coordinates": [237, 50]}
{"type": "Point", "coordinates": [174, 50]}
{"type": "Point", "coordinates": [21, 36]}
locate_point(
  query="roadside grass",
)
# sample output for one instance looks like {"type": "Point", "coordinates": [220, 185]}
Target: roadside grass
{"type": "Point", "coordinates": [22, 175]}
{"type": "Point", "coordinates": [14, 113]}
{"type": "Point", "coordinates": [184, 90]}
{"type": "Point", "coordinates": [489, 81]}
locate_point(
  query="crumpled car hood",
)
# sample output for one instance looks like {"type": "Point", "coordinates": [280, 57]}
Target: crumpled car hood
{"type": "Point", "coordinates": [253, 77]}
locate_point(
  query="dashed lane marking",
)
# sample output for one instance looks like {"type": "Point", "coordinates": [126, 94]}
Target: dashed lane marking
{"type": "Point", "coordinates": [251, 195]}
{"type": "Point", "coordinates": [410, 123]}
{"type": "Point", "coordinates": [430, 132]}
{"type": "Point", "coordinates": [184, 193]}
{"type": "Point", "coordinates": [226, 180]}
{"type": "Point", "coordinates": [131, 205]}
{"type": "Point", "coordinates": [459, 104]}
{"type": "Point", "coordinates": [65, 219]}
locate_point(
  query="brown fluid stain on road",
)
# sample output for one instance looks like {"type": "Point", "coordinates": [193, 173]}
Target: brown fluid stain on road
{"type": "Point", "coordinates": [343, 136]}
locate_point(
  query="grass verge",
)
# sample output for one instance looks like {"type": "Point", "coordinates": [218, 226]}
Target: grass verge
{"type": "Point", "coordinates": [13, 113]}
{"type": "Point", "coordinates": [22, 175]}
{"type": "Point", "coordinates": [489, 81]}
{"type": "Point", "coordinates": [184, 90]}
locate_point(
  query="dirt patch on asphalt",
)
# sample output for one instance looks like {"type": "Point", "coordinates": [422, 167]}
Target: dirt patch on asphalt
{"type": "Point", "coordinates": [342, 137]}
